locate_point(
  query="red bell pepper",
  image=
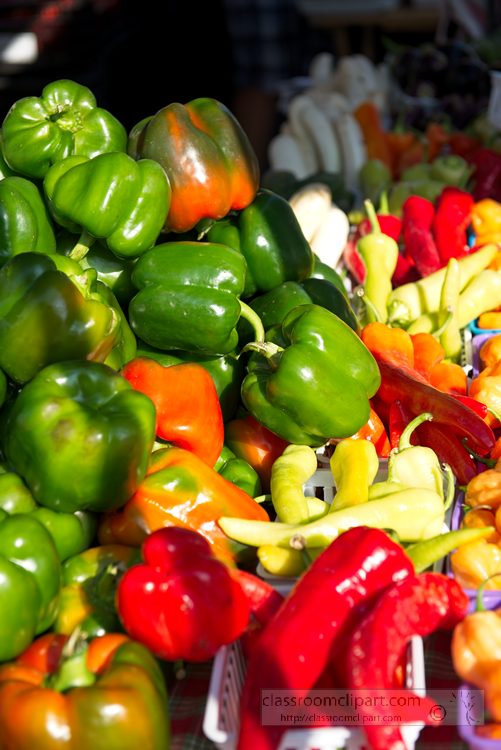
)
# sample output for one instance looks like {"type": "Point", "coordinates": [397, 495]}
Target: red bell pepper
{"type": "Point", "coordinates": [206, 156]}
{"type": "Point", "coordinates": [181, 603]}
{"type": "Point", "coordinates": [186, 402]}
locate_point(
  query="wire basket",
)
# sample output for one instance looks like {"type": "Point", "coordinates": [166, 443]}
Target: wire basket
{"type": "Point", "coordinates": [222, 710]}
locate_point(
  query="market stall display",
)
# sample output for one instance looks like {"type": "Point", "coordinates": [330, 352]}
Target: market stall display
{"type": "Point", "coordinates": [229, 402]}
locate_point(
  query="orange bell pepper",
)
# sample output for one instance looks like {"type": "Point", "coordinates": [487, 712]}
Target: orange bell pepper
{"type": "Point", "coordinates": [449, 377]}
{"type": "Point", "coordinates": [180, 490]}
{"type": "Point", "coordinates": [186, 403]}
{"type": "Point", "coordinates": [393, 345]}
{"type": "Point", "coordinates": [428, 352]}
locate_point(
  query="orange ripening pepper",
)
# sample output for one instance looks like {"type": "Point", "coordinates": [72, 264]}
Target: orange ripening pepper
{"type": "Point", "coordinates": [393, 345]}
{"type": "Point", "coordinates": [368, 117]}
{"type": "Point", "coordinates": [486, 219]}
{"type": "Point", "coordinates": [490, 351]}
{"type": "Point", "coordinates": [180, 490]}
{"type": "Point", "coordinates": [486, 388]}
{"type": "Point", "coordinates": [186, 403]}
{"type": "Point", "coordinates": [428, 351]}
{"type": "Point", "coordinates": [206, 155]}
{"type": "Point", "coordinates": [481, 518]}
{"type": "Point", "coordinates": [449, 377]}
{"type": "Point", "coordinates": [476, 561]}
{"type": "Point", "coordinates": [374, 431]}
{"type": "Point", "coordinates": [252, 441]}
{"type": "Point", "coordinates": [485, 488]}
{"type": "Point", "coordinates": [489, 320]}
{"type": "Point", "coordinates": [399, 141]}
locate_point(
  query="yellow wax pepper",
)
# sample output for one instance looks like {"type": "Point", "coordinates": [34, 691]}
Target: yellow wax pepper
{"type": "Point", "coordinates": [354, 465]}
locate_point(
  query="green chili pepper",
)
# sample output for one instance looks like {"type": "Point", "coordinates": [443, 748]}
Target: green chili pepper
{"type": "Point", "coordinates": [238, 471]}
{"type": "Point", "coordinates": [64, 120]}
{"type": "Point", "coordinates": [424, 554]}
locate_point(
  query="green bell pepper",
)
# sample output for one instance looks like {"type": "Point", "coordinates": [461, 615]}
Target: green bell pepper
{"type": "Point", "coordinates": [273, 306]}
{"type": "Point", "coordinates": [323, 271]}
{"type": "Point", "coordinates": [115, 272]}
{"type": "Point", "coordinates": [71, 532]}
{"type": "Point", "coordinates": [227, 372]}
{"type": "Point", "coordinates": [110, 197]}
{"type": "Point", "coordinates": [318, 385]}
{"type": "Point", "coordinates": [30, 582]}
{"type": "Point", "coordinates": [188, 298]}
{"type": "Point", "coordinates": [64, 120]}
{"type": "Point", "coordinates": [238, 471]}
{"type": "Point", "coordinates": [269, 236]}
{"type": "Point", "coordinates": [89, 586]}
{"type": "Point", "coordinates": [80, 436]}
{"type": "Point", "coordinates": [47, 316]}
{"type": "Point", "coordinates": [125, 346]}
{"type": "Point", "coordinates": [25, 225]}
{"type": "Point", "coordinates": [3, 387]}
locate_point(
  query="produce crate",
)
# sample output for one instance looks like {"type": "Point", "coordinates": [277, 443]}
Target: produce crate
{"type": "Point", "coordinates": [222, 709]}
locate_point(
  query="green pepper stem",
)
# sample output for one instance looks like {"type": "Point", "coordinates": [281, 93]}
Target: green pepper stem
{"type": "Point", "coordinates": [494, 413]}
{"type": "Point", "coordinates": [372, 216]}
{"type": "Point", "coordinates": [248, 314]}
{"type": "Point", "coordinates": [72, 671]}
{"type": "Point", "coordinates": [489, 462]}
{"type": "Point", "coordinates": [384, 206]}
{"type": "Point", "coordinates": [479, 604]}
{"type": "Point", "coordinates": [262, 499]}
{"type": "Point", "coordinates": [266, 348]}
{"type": "Point", "coordinates": [80, 250]}
{"type": "Point", "coordinates": [371, 307]}
{"type": "Point", "coordinates": [429, 551]}
{"type": "Point", "coordinates": [405, 437]}
{"type": "Point", "coordinates": [298, 542]}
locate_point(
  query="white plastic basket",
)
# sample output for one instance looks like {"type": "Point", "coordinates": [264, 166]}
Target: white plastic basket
{"type": "Point", "coordinates": [222, 710]}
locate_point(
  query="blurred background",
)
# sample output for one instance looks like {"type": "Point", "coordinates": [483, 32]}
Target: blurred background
{"type": "Point", "coordinates": [140, 55]}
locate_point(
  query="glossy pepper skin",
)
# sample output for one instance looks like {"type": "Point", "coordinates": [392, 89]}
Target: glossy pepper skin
{"type": "Point", "coordinates": [188, 297]}
{"type": "Point", "coordinates": [227, 372]}
{"type": "Point", "coordinates": [71, 532]}
{"type": "Point", "coordinates": [238, 471]}
{"type": "Point", "coordinates": [25, 225]}
{"type": "Point", "coordinates": [112, 197]}
{"type": "Point", "coordinates": [182, 603]}
{"type": "Point", "coordinates": [90, 432]}
{"type": "Point", "coordinates": [207, 157]}
{"type": "Point", "coordinates": [89, 584]}
{"type": "Point", "coordinates": [186, 404]}
{"type": "Point", "coordinates": [273, 306]}
{"type": "Point", "coordinates": [379, 253]}
{"type": "Point", "coordinates": [108, 694]}
{"type": "Point", "coordinates": [269, 236]}
{"type": "Point", "coordinates": [251, 440]}
{"type": "Point", "coordinates": [293, 650]}
{"type": "Point", "coordinates": [64, 120]}
{"type": "Point", "coordinates": [48, 316]}
{"type": "Point", "coordinates": [180, 490]}
{"type": "Point", "coordinates": [288, 388]}
{"type": "Point", "coordinates": [30, 581]}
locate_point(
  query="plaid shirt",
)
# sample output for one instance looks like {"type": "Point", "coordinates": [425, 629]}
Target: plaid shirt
{"type": "Point", "coordinates": [271, 42]}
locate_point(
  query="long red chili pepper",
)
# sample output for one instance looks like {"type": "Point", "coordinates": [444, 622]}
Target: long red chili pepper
{"type": "Point", "coordinates": [417, 218]}
{"type": "Point", "coordinates": [418, 397]}
{"type": "Point", "coordinates": [293, 650]}
{"type": "Point", "coordinates": [418, 605]}
{"type": "Point", "coordinates": [452, 218]}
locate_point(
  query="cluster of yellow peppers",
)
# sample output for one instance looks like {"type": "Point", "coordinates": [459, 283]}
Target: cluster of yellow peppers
{"type": "Point", "coordinates": [486, 386]}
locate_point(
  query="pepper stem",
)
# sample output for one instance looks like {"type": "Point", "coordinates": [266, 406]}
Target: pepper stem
{"type": "Point", "coordinates": [489, 462]}
{"type": "Point", "coordinates": [405, 437]}
{"type": "Point", "coordinates": [80, 250]}
{"type": "Point", "coordinates": [479, 604]}
{"type": "Point", "coordinates": [451, 489]}
{"type": "Point", "coordinates": [298, 542]}
{"type": "Point", "coordinates": [73, 671]}
{"type": "Point", "coordinates": [266, 348]}
{"type": "Point", "coordinates": [370, 306]}
{"type": "Point", "coordinates": [248, 314]}
{"type": "Point", "coordinates": [372, 216]}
